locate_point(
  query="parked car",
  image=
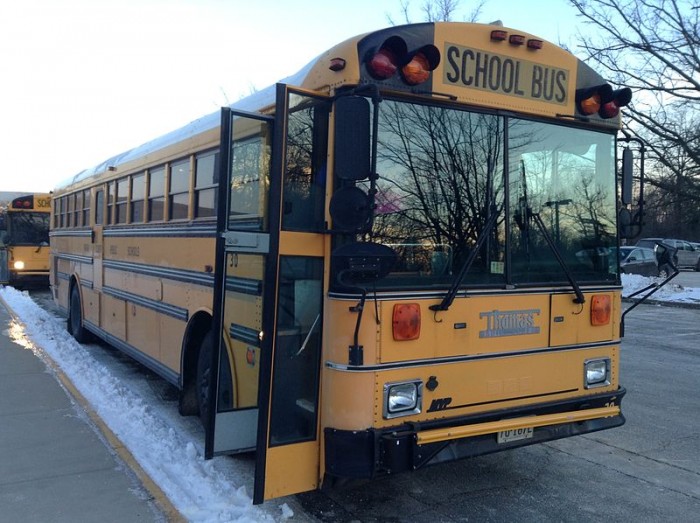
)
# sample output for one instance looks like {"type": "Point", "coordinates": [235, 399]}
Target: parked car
{"type": "Point", "coordinates": [638, 260]}
{"type": "Point", "coordinates": [686, 256]}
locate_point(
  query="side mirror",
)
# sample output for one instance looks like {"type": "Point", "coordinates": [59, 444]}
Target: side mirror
{"type": "Point", "coordinates": [627, 168]}
{"type": "Point", "coordinates": [351, 208]}
{"type": "Point", "coordinates": [352, 138]}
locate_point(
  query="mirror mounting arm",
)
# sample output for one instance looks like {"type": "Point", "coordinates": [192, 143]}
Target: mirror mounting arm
{"type": "Point", "coordinates": [356, 352]}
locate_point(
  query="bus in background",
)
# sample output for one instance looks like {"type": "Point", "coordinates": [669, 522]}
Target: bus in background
{"type": "Point", "coordinates": [397, 257]}
{"type": "Point", "coordinates": [24, 236]}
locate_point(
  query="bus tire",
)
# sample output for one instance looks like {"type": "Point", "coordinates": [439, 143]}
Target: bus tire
{"type": "Point", "coordinates": [204, 377]}
{"type": "Point", "coordinates": [75, 318]}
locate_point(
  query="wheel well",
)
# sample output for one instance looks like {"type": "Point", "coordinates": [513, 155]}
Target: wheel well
{"type": "Point", "coordinates": [198, 327]}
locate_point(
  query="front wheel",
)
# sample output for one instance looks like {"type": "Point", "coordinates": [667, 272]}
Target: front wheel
{"type": "Point", "coordinates": [75, 319]}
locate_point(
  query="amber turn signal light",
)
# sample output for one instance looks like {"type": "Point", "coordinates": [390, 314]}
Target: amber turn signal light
{"type": "Point", "coordinates": [600, 309]}
{"type": "Point", "coordinates": [406, 321]}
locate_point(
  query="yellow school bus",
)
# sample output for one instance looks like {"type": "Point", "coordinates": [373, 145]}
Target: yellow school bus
{"type": "Point", "coordinates": [24, 236]}
{"type": "Point", "coordinates": [397, 257]}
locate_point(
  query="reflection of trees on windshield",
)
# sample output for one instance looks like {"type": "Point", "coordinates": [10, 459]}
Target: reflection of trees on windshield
{"type": "Point", "coordinates": [305, 164]}
{"type": "Point", "coordinates": [28, 228]}
{"type": "Point", "coordinates": [567, 176]}
{"type": "Point", "coordinates": [441, 175]}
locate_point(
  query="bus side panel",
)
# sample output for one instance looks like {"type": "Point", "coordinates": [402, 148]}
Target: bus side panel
{"type": "Point", "coordinates": [143, 330]}
{"type": "Point", "coordinates": [91, 305]}
{"type": "Point", "coordinates": [113, 316]}
{"type": "Point", "coordinates": [172, 331]}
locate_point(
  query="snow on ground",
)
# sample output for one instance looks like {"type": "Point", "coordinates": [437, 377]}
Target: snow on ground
{"type": "Point", "coordinates": [169, 449]}
{"type": "Point", "coordinates": [672, 292]}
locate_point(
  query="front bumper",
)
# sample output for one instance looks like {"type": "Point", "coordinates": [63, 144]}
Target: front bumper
{"type": "Point", "coordinates": [38, 278]}
{"type": "Point", "coordinates": [372, 452]}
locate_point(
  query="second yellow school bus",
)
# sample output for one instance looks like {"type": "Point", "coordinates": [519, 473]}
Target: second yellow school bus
{"type": "Point", "coordinates": [25, 239]}
{"type": "Point", "coordinates": [399, 256]}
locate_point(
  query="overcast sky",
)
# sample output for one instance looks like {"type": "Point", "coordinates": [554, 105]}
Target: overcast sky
{"type": "Point", "coordinates": [84, 80]}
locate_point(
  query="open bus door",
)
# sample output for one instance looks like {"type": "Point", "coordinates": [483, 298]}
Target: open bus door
{"type": "Point", "coordinates": [267, 307]}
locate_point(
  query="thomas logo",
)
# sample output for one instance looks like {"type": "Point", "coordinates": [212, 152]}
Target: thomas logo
{"type": "Point", "coordinates": [509, 323]}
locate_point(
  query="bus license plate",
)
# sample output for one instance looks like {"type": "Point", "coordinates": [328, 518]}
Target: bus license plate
{"type": "Point", "coordinates": [506, 436]}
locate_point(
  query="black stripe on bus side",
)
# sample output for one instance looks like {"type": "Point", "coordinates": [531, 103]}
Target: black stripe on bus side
{"type": "Point", "coordinates": [460, 359]}
{"type": "Point", "coordinates": [514, 398]}
{"type": "Point", "coordinates": [244, 285]}
{"type": "Point", "coordinates": [184, 231]}
{"type": "Point", "coordinates": [83, 282]}
{"type": "Point", "coordinates": [244, 334]}
{"type": "Point", "coordinates": [165, 372]}
{"type": "Point", "coordinates": [73, 257]}
{"type": "Point", "coordinates": [81, 233]}
{"type": "Point", "coordinates": [183, 275]}
{"type": "Point", "coordinates": [164, 308]}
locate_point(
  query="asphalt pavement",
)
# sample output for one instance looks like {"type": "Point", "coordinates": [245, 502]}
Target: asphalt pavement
{"type": "Point", "coordinates": [55, 463]}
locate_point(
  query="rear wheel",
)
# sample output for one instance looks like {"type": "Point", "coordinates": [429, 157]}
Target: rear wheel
{"type": "Point", "coordinates": [204, 377]}
{"type": "Point", "coordinates": [75, 319]}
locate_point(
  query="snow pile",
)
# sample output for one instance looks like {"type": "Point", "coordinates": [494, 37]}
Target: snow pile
{"type": "Point", "coordinates": [671, 292]}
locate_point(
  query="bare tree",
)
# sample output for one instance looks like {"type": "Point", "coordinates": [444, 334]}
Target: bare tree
{"type": "Point", "coordinates": [435, 11]}
{"type": "Point", "coordinates": [653, 47]}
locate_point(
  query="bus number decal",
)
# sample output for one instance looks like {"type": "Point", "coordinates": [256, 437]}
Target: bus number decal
{"type": "Point", "coordinates": [501, 74]}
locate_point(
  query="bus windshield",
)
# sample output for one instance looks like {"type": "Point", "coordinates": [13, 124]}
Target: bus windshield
{"type": "Point", "coordinates": [442, 174]}
{"type": "Point", "coordinates": [28, 228]}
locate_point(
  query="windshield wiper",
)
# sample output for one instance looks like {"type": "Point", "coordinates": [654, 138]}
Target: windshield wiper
{"type": "Point", "coordinates": [574, 284]}
{"type": "Point", "coordinates": [452, 292]}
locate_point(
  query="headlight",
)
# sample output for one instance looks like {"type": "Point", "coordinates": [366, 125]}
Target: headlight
{"type": "Point", "coordinates": [402, 398]}
{"type": "Point", "coordinates": [19, 265]}
{"type": "Point", "coordinates": [596, 372]}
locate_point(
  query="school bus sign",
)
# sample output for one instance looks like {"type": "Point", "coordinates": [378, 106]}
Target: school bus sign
{"type": "Point", "coordinates": [506, 75]}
